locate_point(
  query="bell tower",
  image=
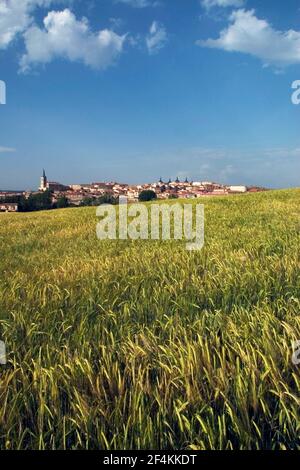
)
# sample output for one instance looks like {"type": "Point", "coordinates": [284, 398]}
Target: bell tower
{"type": "Point", "coordinates": [43, 184]}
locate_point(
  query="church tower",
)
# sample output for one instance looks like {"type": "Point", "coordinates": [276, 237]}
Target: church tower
{"type": "Point", "coordinates": [43, 184]}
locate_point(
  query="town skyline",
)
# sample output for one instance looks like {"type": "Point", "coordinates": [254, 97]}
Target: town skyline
{"type": "Point", "coordinates": [94, 181]}
{"type": "Point", "coordinates": [54, 194]}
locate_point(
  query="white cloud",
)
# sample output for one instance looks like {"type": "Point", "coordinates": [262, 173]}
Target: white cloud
{"type": "Point", "coordinates": [15, 17]}
{"type": "Point", "coordinates": [116, 23]}
{"type": "Point", "coordinates": [208, 4]}
{"type": "Point", "coordinates": [251, 35]}
{"type": "Point", "coordinates": [270, 167]}
{"type": "Point", "coordinates": [63, 36]}
{"type": "Point", "coordinates": [7, 150]}
{"type": "Point", "coordinates": [157, 37]}
{"type": "Point", "coordinates": [282, 153]}
{"type": "Point", "coordinates": [139, 3]}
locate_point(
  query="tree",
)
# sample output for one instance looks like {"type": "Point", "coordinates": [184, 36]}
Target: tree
{"type": "Point", "coordinates": [147, 195]}
{"type": "Point", "coordinates": [107, 199]}
{"type": "Point", "coordinates": [87, 201]}
{"type": "Point", "coordinates": [104, 199]}
{"type": "Point", "coordinates": [38, 202]}
{"type": "Point", "coordinates": [62, 202]}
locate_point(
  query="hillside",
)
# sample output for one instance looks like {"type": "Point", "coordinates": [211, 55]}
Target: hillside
{"type": "Point", "coordinates": [142, 344]}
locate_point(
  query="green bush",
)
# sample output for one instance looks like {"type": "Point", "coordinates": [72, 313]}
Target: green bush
{"type": "Point", "coordinates": [147, 196]}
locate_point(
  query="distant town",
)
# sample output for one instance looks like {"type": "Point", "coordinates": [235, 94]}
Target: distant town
{"type": "Point", "coordinates": [52, 195]}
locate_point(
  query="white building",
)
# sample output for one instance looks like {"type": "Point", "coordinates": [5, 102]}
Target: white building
{"type": "Point", "coordinates": [238, 189]}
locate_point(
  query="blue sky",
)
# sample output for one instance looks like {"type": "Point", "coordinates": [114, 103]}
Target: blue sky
{"type": "Point", "coordinates": [132, 90]}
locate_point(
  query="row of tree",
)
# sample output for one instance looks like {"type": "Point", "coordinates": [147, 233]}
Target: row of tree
{"type": "Point", "coordinates": [43, 201]}
{"type": "Point", "coordinates": [37, 202]}
{"type": "Point", "coordinates": [149, 195]}
{"type": "Point", "coordinates": [105, 199]}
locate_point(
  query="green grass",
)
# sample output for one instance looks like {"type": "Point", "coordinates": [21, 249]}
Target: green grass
{"type": "Point", "coordinates": [131, 345]}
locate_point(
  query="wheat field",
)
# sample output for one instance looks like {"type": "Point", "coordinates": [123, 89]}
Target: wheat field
{"type": "Point", "coordinates": [145, 345]}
